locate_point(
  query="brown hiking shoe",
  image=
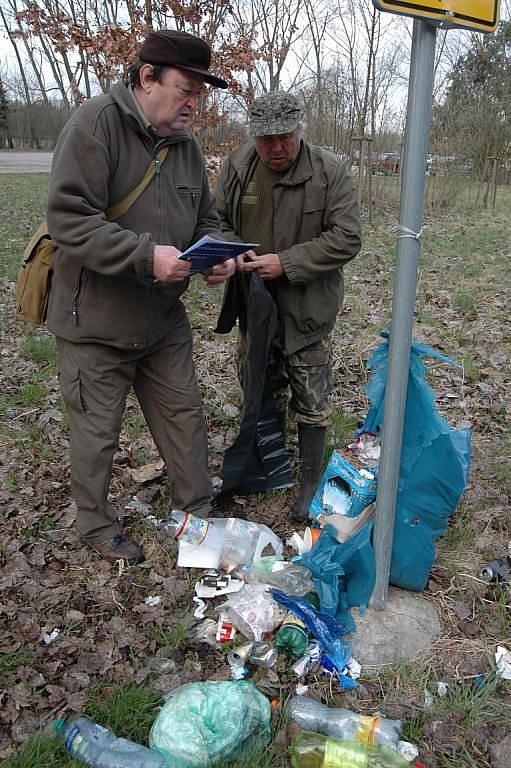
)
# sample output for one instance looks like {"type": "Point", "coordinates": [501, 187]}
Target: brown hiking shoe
{"type": "Point", "coordinates": [119, 548]}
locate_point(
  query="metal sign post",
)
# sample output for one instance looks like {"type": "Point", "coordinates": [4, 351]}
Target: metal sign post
{"type": "Point", "coordinates": [418, 114]}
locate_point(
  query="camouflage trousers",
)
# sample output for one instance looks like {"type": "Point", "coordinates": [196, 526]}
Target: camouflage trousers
{"type": "Point", "coordinates": [302, 380]}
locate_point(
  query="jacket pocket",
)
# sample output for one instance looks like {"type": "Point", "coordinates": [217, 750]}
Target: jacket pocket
{"type": "Point", "coordinates": [71, 387]}
{"type": "Point", "coordinates": [189, 194]}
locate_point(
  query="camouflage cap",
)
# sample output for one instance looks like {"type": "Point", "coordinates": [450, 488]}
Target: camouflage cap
{"type": "Point", "coordinates": [275, 112]}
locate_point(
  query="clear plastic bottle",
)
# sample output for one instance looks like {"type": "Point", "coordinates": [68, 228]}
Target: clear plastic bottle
{"type": "Point", "coordinates": [184, 526]}
{"type": "Point", "coordinates": [315, 750]}
{"type": "Point", "coordinates": [291, 578]}
{"type": "Point", "coordinates": [339, 723]}
{"type": "Point", "coordinates": [98, 747]}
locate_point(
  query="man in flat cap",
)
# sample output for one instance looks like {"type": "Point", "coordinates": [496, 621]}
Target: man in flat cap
{"type": "Point", "coordinates": [298, 202]}
{"type": "Point", "coordinates": [114, 303]}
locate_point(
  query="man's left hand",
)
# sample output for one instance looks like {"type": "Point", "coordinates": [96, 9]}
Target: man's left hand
{"type": "Point", "coordinates": [268, 265]}
{"type": "Point", "coordinates": [220, 272]}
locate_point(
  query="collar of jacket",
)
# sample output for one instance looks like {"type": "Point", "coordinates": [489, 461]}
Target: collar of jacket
{"type": "Point", "coordinates": [124, 100]}
{"type": "Point", "coordinates": [245, 159]}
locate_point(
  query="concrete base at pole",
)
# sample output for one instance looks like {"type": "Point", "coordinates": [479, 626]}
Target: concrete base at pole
{"type": "Point", "coordinates": [407, 626]}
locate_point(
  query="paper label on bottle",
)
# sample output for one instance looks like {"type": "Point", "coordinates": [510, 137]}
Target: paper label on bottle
{"type": "Point", "coordinates": [193, 529]}
{"type": "Point", "coordinates": [340, 755]}
{"type": "Point", "coordinates": [366, 728]}
{"type": "Point", "coordinates": [293, 621]}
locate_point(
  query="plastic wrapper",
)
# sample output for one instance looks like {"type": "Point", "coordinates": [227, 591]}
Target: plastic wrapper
{"type": "Point", "coordinates": [203, 724]}
{"type": "Point", "coordinates": [326, 629]}
{"type": "Point", "coordinates": [339, 723]}
{"type": "Point", "coordinates": [253, 611]}
{"type": "Point", "coordinates": [291, 578]}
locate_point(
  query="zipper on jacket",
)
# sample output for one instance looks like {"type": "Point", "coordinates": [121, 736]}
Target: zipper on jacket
{"type": "Point", "coordinates": [76, 295]}
{"type": "Point", "coordinates": [157, 165]}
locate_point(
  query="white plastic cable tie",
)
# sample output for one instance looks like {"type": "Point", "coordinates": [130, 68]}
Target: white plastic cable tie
{"type": "Point", "coordinates": [405, 232]}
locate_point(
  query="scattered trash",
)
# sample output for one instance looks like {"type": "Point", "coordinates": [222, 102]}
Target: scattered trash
{"type": "Point", "coordinates": [205, 723]}
{"type": "Point", "coordinates": [343, 490]}
{"type": "Point", "coordinates": [428, 699]}
{"type": "Point", "coordinates": [213, 584]}
{"type": "Point", "coordinates": [442, 688]}
{"type": "Point", "coordinates": [205, 632]}
{"type": "Point", "coordinates": [292, 637]}
{"type": "Point", "coordinates": [407, 750]}
{"type": "Point", "coordinates": [497, 570]}
{"type": "Point", "coordinates": [303, 544]}
{"type": "Point", "coordinates": [367, 448]}
{"type": "Point", "coordinates": [225, 630]}
{"type": "Point", "coordinates": [135, 505]}
{"type": "Point", "coordinates": [315, 750]}
{"type": "Point", "coordinates": [290, 577]}
{"type": "Point", "coordinates": [99, 747]}
{"type": "Point", "coordinates": [219, 542]}
{"type": "Point", "coordinates": [339, 723]}
{"type": "Point", "coordinates": [153, 600]}
{"type": "Point", "coordinates": [346, 527]}
{"type": "Point", "coordinates": [201, 608]}
{"type": "Point", "coordinates": [253, 611]}
{"type": "Point", "coordinates": [503, 661]}
{"type": "Point", "coordinates": [326, 629]}
{"type": "Point", "coordinates": [308, 660]}
{"type": "Point", "coordinates": [263, 655]}
{"type": "Point", "coordinates": [50, 637]}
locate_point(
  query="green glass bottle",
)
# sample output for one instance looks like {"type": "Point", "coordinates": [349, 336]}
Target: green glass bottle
{"type": "Point", "coordinates": [292, 637]}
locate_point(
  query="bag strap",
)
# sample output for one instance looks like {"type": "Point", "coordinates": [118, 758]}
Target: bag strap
{"type": "Point", "coordinates": [125, 204]}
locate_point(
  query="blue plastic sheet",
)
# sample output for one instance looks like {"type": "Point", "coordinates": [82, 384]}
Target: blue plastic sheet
{"type": "Point", "coordinates": [326, 629]}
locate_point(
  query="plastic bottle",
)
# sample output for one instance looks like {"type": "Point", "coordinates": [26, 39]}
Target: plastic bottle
{"type": "Point", "coordinates": [292, 637]}
{"type": "Point", "coordinates": [184, 526]}
{"type": "Point", "coordinates": [315, 750]}
{"type": "Point", "coordinates": [98, 747]}
{"type": "Point", "coordinates": [339, 723]}
{"type": "Point", "coordinates": [291, 578]}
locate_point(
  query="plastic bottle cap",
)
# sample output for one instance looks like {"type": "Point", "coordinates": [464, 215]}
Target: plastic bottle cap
{"type": "Point", "coordinates": [58, 725]}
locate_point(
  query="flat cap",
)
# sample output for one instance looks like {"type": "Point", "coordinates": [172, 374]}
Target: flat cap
{"type": "Point", "coordinates": [170, 48]}
{"type": "Point", "coordinates": [275, 112]}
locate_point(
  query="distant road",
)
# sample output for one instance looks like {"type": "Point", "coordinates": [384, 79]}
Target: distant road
{"type": "Point", "coordinates": [12, 161]}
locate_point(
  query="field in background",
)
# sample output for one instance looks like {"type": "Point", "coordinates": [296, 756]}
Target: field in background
{"type": "Point", "coordinates": [115, 654]}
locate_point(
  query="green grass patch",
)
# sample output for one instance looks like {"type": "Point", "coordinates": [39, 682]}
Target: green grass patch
{"type": "Point", "coordinates": [39, 347]}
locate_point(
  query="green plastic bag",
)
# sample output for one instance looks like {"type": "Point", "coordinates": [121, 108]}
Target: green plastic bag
{"type": "Point", "coordinates": [204, 723]}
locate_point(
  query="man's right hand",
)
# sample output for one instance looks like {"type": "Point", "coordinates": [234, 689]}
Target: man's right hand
{"type": "Point", "coordinates": [243, 259]}
{"type": "Point", "coordinates": [167, 268]}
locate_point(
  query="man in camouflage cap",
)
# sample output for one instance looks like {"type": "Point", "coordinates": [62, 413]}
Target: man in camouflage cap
{"type": "Point", "coordinates": [298, 202]}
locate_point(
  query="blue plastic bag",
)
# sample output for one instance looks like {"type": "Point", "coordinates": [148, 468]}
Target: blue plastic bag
{"type": "Point", "coordinates": [326, 629]}
{"type": "Point", "coordinates": [344, 574]}
{"type": "Point", "coordinates": [434, 467]}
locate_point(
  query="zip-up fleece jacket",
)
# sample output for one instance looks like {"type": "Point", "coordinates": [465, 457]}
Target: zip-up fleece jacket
{"type": "Point", "coordinates": [316, 230]}
{"type": "Point", "coordinates": [102, 287]}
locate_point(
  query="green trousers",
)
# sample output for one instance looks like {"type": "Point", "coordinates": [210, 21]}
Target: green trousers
{"type": "Point", "coordinates": [95, 380]}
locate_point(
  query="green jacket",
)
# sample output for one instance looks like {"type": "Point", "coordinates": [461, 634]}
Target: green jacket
{"type": "Point", "coordinates": [316, 231]}
{"type": "Point", "coordinates": [102, 287]}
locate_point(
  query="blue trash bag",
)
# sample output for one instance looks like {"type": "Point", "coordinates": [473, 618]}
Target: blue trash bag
{"type": "Point", "coordinates": [344, 574]}
{"type": "Point", "coordinates": [326, 629]}
{"type": "Point", "coordinates": [434, 467]}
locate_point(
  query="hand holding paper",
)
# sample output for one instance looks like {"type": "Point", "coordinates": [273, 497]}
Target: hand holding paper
{"type": "Point", "coordinates": [208, 251]}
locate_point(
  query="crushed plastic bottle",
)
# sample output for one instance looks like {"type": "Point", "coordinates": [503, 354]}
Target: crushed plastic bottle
{"type": "Point", "coordinates": [315, 750]}
{"type": "Point", "coordinates": [339, 723]}
{"type": "Point", "coordinates": [99, 747]}
{"type": "Point", "coordinates": [291, 578]}
{"type": "Point", "coordinates": [292, 638]}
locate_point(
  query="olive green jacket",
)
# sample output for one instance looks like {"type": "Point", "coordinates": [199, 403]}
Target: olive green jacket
{"type": "Point", "coordinates": [102, 287]}
{"type": "Point", "coordinates": [316, 231]}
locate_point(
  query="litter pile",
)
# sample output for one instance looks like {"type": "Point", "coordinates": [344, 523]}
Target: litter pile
{"type": "Point", "coordinates": [262, 607]}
